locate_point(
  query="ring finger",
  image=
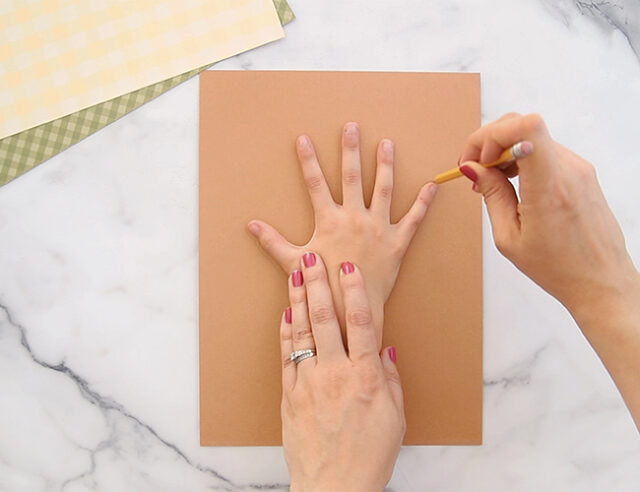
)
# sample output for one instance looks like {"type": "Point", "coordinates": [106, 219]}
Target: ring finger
{"type": "Point", "coordinates": [302, 334]}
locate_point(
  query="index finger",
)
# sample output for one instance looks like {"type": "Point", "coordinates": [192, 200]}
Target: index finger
{"type": "Point", "coordinates": [487, 143]}
{"type": "Point", "coordinates": [361, 334]}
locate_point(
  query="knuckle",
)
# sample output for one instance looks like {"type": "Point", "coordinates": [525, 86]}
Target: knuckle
{"type": "Point", "coordinates": [413, 222]}
{"type": "Point", "coordinates": [492, 191]}
{"type": "Point", "coordinates": [286, 409]}
{"type": "Point", "coordinates": [267, 241]}
{"type": "Point", "coordinates": [504, 243]}
{"type": "Point", "coordinates": [351, 177]}
{"type": "Point", "coordinates": [313, 275]}
{"type": "Point", "coordinates": [297, 297]}
{"type": "Point", "coordinates": [332, 383]}
{"type": "Point", "coordinates": [302, 334]}
{"type": "Point", "coordinates": [359, 224]}
{"type": "Point", "coordinates": [335, 377]}
{"type": "Point", "coordinates": [398, 248]}
{"type": "Point", "coordinates": [370, 379]}
{"type": "Point", "coordinates": [385, 191]}
{"type": "Point", "coordinates": [299, 400]}
{"type": "Point", "coordinates": [502, 246]}
{"type": "Point", "coordinates": [532, 123]}
{"type": "Point", "coordinates": [352, 282]}
{"type": "Point", "coordinates": [286, 361]}
{"type": "Point", "coordinates": [562, 196]}
{"type": "Point", "coordinates": [321, 314]}
{"type": "Point", "coordinates": [286, 333]}
{"type": "Point", "coordinates": [394, 377]}
{"type": "Point", "coordinates": [314, 183]}
{"type": "Point", "coordinates": [359, 316]}
{"type": "Point", "coordinates": [510, 115]}
{"type": "Point", "coordinates": [586, 171]}
{"type": "Point", "coordinates": [327, 222]}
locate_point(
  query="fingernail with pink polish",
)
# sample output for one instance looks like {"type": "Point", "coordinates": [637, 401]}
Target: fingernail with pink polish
{"type": "Point", "coordinates": [392, 354]}
{"type": "Point", "coordinates": [347, 267]}
{"type": "Point", "coordinates": [469, 173]}
{"type": "Point", "coordinates": [287, 315]}
{"type": "Point", "coordinates": [309, 259]}
{"type": "Point", "coordinates": [296, 278]}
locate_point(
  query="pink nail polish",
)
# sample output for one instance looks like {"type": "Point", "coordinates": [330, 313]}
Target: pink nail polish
{"type": "Point", "coordinates": [392, 354]}
{"type": "Point", "coordinates": [287, 315]}
{"type": "Point", "coordinates": [309, 259]}
{"type": "Point", "coordinates": [469, 173]}
{"type": "Point", "coordinates": [347, 267]}
{"type": "Point", "coordinates": [296, 278]}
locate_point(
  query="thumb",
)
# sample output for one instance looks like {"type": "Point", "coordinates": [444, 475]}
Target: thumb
{"type": "Point", "coordinates": [287, 255]}
{"type": "Point", "coordinates": [388, 358]}
{"type": "Point", "coordinates": [501, 200]}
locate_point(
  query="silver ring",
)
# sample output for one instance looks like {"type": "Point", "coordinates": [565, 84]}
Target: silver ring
{"type": "Point", "coordinates": [298, 356]}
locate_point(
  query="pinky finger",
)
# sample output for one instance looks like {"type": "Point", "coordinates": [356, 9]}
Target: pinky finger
{"type": "Point", "coordinates": [409, 224]}
{"type": "Point", "coordinates": [286, 347]}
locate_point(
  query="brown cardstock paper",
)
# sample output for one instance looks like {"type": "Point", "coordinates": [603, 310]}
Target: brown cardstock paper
{"type": "Point", "coordinates": [249, 121]}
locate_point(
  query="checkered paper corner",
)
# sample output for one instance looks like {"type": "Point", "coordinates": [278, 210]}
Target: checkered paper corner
{"type": "Point", "coordinates": [23, 151]}
{"type": "Point", "coordinates": [284, 11]}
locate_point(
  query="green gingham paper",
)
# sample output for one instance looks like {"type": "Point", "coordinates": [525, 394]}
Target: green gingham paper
{"type": "Point", "coordinates": [24, 150]}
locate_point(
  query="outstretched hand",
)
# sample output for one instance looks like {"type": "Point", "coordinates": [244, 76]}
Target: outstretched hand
{"type": "Point", "coordinates": [351, 229]}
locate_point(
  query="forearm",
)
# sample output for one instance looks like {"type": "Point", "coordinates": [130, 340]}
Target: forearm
{"type": "Point", "coordinates": [611, 324]}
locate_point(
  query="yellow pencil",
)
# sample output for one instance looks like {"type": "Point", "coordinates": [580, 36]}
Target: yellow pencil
{"type": "Point", "coordinates": [517, 151]}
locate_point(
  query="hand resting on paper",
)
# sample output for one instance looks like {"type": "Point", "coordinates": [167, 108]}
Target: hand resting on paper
{"type": "Point", "coordinates": [352, 230]}
{"type": "Point", "coordinates": [561, 233]}
{"type": "Point", "coordinates": [342, 410]}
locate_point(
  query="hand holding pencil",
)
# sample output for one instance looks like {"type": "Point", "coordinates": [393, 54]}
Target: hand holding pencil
{"type": "Point", "coordinates": [516, 151]}
{"type": "Point", "coordinates": [559, 231]}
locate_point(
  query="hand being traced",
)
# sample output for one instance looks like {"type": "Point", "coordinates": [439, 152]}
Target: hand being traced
{"type": "Point", "coordinates": [351, 230]}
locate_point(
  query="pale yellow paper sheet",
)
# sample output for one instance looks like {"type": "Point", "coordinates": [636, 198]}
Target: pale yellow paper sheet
{"type": "Point", "coordinates": [60, 56]}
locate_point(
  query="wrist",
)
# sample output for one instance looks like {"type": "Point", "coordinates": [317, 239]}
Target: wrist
{"type": "Point", "coordinates": [614, 300]}
{"type": "Point", "coordinates": [300, 487]}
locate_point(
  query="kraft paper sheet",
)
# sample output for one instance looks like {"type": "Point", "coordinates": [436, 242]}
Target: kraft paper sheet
{"type": "Point", "coordinates": [248, 169]}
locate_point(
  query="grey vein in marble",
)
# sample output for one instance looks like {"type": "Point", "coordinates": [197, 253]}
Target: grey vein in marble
{"type": "Point", "coordinates": [106, 405]}
{"type": "Point", "coordinates": [621, 15]}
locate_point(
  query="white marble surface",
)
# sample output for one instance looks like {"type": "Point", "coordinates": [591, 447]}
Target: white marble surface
{"type": "Point", "coordinates": [98, 269]}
